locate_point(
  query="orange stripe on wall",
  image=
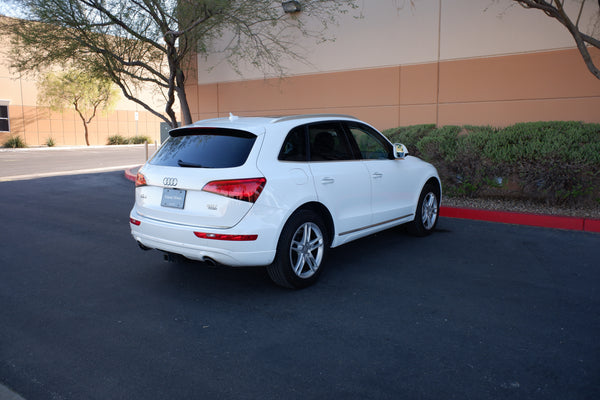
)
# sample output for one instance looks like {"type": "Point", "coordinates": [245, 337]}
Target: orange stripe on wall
{"type": "Point", "coordinates": [496, 91]}
{"type": "Point", "coordinates": [502, 113]}
{"type": "Point", "coordinates": [556, 74]}
{"type": "Point", "coordinates": [372, 87]}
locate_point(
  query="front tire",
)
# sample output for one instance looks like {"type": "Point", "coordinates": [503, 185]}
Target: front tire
{"type": "Point", "coordinates": [427, 213]}
{"type": "Point", "coordinates": [300, 251]}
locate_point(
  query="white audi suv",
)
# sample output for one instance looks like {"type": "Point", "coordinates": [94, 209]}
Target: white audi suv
{"type": "Point", "coordinates": [278, 192]}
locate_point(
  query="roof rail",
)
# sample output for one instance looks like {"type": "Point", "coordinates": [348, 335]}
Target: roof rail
{"type": "Point", "coordinates": [303, 116]}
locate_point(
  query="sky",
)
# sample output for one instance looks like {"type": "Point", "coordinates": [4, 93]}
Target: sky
{"type": "Point", "coordinates": [9, 8]}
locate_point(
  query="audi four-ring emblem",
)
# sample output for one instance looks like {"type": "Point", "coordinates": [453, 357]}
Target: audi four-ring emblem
{"type": "Point", "coordinates": [170, 181]}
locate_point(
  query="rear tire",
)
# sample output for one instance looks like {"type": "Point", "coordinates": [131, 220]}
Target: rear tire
{"type": "Point", "coordinates": [427, 213]}
{"type": "Point", "coordinates": [300, 251]}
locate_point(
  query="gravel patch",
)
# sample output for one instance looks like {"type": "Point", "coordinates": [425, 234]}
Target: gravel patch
{"type": "Point", "coordinates": [522, 206]}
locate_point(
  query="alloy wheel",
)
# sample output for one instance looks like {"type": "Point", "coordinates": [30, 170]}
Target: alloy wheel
{"type": "Point", "coordinates": [306, 250]}
{"type": "Point", "coordinates": [429, 211]}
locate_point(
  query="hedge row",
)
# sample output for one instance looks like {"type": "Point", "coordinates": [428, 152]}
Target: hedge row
{"type": "Point", "coordinates": [118, 139]}
{"type": "Point", "coordinates": [553, 162]}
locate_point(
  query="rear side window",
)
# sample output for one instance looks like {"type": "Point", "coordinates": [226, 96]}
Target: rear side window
{"type": "Point", "coordinates": [294, 146]}
{"type": "Point", "coordinates": [205, 148]}
{"type": "Point", "coordinates": [328, 142]}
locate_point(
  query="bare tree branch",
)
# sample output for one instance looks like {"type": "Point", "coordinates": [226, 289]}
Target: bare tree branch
{"type": "Point", "coordinates": [150, 42]}
{"type": "Point", "coordinates": [555, 9]}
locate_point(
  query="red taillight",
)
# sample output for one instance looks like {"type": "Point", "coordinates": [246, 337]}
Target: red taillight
{"type": "Point", "coordinates": [219, 236]}
{"type": "Point", "coordinates": [140, 180]}
{"type": "Point", "coordinates": [134, 221]}
{"type": "Point", "coordinates": [240, 189]}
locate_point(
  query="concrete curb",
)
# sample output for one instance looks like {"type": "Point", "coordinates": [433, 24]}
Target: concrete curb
{"type": "Point", "coordinates": [505, 217]}
{"type": "Point", "coordinates": [58, 148]}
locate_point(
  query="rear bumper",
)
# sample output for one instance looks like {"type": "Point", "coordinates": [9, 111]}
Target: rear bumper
{"type": "Point", "coordinates": [180, 239]}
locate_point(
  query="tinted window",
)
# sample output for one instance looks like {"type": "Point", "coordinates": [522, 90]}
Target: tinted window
{"type": "Point", "coordinates": [370, 143]}
{"type": "Point", "coordinates": [205, 148]}
{"type": "Point", "coordinates": [328, 142]}
{"type": "Point", "coordinates": [4, 118]}
{"type": "Point", "coordinates": [294, 145]}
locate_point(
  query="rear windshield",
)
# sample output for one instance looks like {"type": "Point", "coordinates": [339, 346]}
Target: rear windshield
{"type": "Point", "coordinates": [205, 148]}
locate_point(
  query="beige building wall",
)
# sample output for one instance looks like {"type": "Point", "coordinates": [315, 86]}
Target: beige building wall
{"type": "Point", "coordinates": [442, 61]}
{"type": "Point", "coordinates": [35, 123]}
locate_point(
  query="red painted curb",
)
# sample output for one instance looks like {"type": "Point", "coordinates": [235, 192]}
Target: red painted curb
{"type": "Point", "coordinates": [130, 174]}
{"type": "Point", "coordinates": [591, 225]}
{"type": "Point", "coordinates": [507, 217]}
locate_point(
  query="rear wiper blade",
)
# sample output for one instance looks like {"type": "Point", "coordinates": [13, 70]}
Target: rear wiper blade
{"type": "Point", "coordinates": [182, 163]}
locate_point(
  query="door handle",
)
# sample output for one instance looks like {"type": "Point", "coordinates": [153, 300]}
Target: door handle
{"type": "Point", "coordinates": [327, 180]}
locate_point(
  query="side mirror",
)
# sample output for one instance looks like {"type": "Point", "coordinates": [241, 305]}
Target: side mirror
{"type": "Point", "coordinates": [400, 150]}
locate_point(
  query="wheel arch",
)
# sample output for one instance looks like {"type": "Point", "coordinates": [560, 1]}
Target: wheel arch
{"type": "Point", "coordinates": [437, 184]}
{"type": "Point", "coordinates": [433, 180]}
{"type": "Point", "coordinates": [319, 209]}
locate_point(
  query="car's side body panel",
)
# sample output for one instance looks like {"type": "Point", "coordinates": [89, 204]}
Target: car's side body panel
{"type": "Point", "coordinates": [344, 189]}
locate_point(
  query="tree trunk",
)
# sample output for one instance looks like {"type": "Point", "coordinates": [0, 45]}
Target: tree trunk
{"type": "Point", "coordinates": [85, 127]}
{"type": "Point", "coordinates": [87, 140]}
{"type": "Point", "coordinates": [183, 103]}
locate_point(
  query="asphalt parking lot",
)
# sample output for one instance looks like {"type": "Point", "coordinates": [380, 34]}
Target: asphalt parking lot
{"type": "Point", "coordinates": [476, 311]}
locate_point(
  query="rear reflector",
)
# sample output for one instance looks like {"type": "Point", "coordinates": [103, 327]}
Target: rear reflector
{"type": "Point", "coordinates": [239, 189]}
{"type": "Point", "coordinates": [134, 221]}
{"type": "Point", "coordinates": [218, 236]}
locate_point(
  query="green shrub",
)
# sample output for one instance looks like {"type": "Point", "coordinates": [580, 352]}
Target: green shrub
{"type": "Point", "coordinates": [470, 171]}
{"type": "Point", "coordinates": [117, 139]}
{"type": "Point", "coordinates": [409, 135]}
{"type": "Point", "coordinates": [140, 139]}
{"type": "Point", "coordinates": [15, 142]}
{"type": "Point", "coordinates": [565, 141]}
{"type": "Point", "coordinates": [50, 142]}
{"type": "Point", "coordinates": [441, 143]}
{"type": "Point", "coordinates": [555, 162]}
